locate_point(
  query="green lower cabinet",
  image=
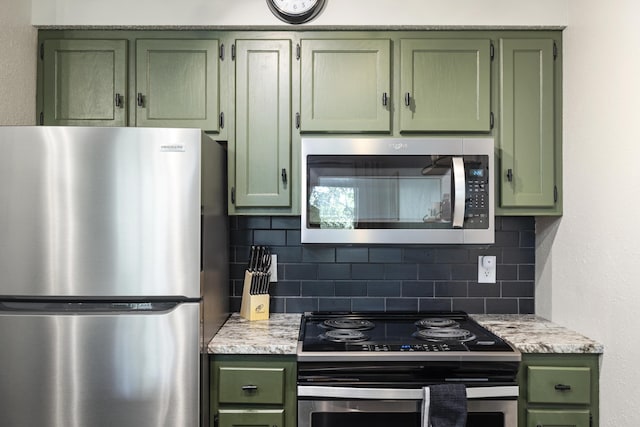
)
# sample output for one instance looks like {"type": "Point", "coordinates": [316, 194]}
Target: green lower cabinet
{"type": "Point", "coordinates": [559, 390]}
{"type": "Point", "coordinates": [558, 418]}
{"type": "Point", "coordinates": [251, 417]}
{"type": "Point", "coordinates": [253, 390]}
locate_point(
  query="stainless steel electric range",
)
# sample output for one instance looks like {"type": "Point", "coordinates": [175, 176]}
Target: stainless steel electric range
{"type": "Point", "coordinates": [357, 369]}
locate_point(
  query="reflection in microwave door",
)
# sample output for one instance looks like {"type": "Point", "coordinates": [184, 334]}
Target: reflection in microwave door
{"type": "Point", "coordinates": [332, 207]}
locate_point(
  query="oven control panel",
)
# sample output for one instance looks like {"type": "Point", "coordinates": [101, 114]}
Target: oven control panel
{"type": "Point", "coordinates": [431, 346]}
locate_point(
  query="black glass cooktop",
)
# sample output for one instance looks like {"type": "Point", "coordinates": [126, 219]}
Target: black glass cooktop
{"type": "Point", "coordinates": [402, 332]}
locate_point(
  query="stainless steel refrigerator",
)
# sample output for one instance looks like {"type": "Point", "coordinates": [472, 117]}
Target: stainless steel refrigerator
{"type": "Point", "coordinates": [113, 275]}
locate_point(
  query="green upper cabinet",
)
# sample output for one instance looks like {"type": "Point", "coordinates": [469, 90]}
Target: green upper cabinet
{"type": "Point", "coordinates": [445, 85]}
{"type": "Point", "coordinates": [527, 149]}
{"type": "Point", "coordinates": [345, 85]}
{"type": "Point", "coordinates": [177, 83]}
{"type": "Point", "coordinates": [262, 148]}
{"type": "Point", "coordinates": [85, 83]}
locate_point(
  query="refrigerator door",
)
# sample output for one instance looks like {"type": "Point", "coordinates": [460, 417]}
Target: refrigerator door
{"type": "Point", "coordinates": [99, 212]}
{"type": "Point", "coordinates": [85, 366]}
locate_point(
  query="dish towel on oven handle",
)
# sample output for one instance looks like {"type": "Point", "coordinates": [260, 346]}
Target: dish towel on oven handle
{"type": "Point", "coordinates": [444, 405]}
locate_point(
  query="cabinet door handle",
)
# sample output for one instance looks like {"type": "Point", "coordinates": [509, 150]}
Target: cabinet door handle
{"type": "Point", "coordinates": [249, 388]}
{"type": "Point", "coordinates": [510, 175]}
{"type": "Point", "coordinates": [284, 176]}
{"type": "Point", "coordinates": [562, 387]}
{"type": "Point", "coordinates": [140, 99]}
{"type": "Point", "coordinates": [407, 99]}
{"type": "Point", "coordinates": [385, 99]}
{"type": "Point", "coordinates": [118, 100]}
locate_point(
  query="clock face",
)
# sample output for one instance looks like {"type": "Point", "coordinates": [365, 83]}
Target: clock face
{"type": "Point", "coordinates": [295, 11]}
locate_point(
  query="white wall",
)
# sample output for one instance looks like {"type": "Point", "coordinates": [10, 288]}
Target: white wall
{"type": "Point", "coordinates": [586, 260]}
{"type": "Point", "coordinates": [337, 12]}
{"type": "Point", "coordinates": [589, 276]}
{"type": "Point", "coordinates": [18, 53]}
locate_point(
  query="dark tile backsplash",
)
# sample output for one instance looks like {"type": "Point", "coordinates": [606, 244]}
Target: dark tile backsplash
{"type": "Point", "coordinates": [388, 278]}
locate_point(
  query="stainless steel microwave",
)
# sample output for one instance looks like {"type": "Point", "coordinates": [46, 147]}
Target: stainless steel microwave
{"type": "Point", "coordinates": [397, 190]}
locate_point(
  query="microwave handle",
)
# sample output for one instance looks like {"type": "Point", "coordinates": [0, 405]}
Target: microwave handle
{"type": "Point", "coordinates": [459, 192]}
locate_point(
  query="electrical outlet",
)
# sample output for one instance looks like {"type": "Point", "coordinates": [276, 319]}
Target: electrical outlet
{"type": "Point", "coordinates": [486, 269]}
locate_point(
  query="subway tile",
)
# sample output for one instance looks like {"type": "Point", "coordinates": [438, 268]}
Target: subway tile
{"type": "Point", "coordinates": [527, 239]}
{"type": "Point", "coordinates": [318, 288]}
{"type": "Point", "coordinates": [484, 290]}
{"type": "Point", "coordinates": [518, 289]}
{"type": "Point", "coordinates": [501, 305]}
{"type": "Point", "coordinates": [286, 288]}
{"type": "Point", "coordinates": [385, 255]}
{"type": "Point", "coordinates": [270, 237]}
{"type": "Point", "coordinates": [318, 254]}
{"type": "Point", "coordinates": [435, 304]}
{"type": "Point", "coordinates": [526, 306]}
{"type": "Point", "coordinates": [507, 239]}
{"type": "Point", "coordinates": [277, 305]}
{"type": "Point", "coordinates": [300, 305]}
{"type": "Point", "coordinates": [400, 271]}
{"type": "Point", "coordinates": [519, 256]}
{"type": "Point", "coordinates": [334, 271]}
{"type": "Point", "coordinates": [434, 272]}
{"type": "Point", "coordinates": [285, 222]}
{"type": "Point", "coordinates": [241, 237]}
{"type": "Point", "coordinates": [350, 288]}
{"type": "Point", "coordinates": [452, 255]}
{"type": "Point", "coordinates": [419, 255]}
{"type": "Point", "coordinates": [417, 289]}
{"type": "Point", "coordinates": [384, 288]}
{"type": "Point", "coordinates": [300, 271]}
{"type": "Point", "coordinates": [367, 271]}
{"type": "Point", "coordinates": [517, 223]}
{"type": "Point", "coordinates": [288, 254]}
{"type": "Point", "coordinates": [451, 289]}
{"type": "Point", "coordinates": [526, 272]}
{"type": "Point", "coordinates": [293, 238]}
{"type": "Point", "coordinates": [402, 304]}
{"type": "Point", "coordinates": [506, 272]}
{"type": "Point", "coordinates": [464, 272]}
{"type": "Point", "coordinates": [470, 305]}
{"type": "Point", "coordinates": [235, 304]}
{"type": "Point", "coordinates": [334, 304]}
{"type": "Point", "coordinates": [254, 223]}
{"type": "Point", "coordinates": [352, 254]}
{"type": "Point", "coordinates": [367, 304]}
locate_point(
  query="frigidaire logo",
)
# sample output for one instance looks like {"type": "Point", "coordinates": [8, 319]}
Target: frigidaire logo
{"type": "Point", "coordinates": [398, 145]}
{"type": "Point", "coordinates": [172, 147]}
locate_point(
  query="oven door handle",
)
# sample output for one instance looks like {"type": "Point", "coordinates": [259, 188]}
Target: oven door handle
{"type": "Point", "coordinates": [400, 393]}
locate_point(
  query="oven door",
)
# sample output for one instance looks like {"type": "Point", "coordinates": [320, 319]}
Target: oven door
{"type": "Point", "coordinates": [320, 406]}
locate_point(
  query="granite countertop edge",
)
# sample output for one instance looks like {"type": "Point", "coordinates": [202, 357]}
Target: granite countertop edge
{"type": "Point", "coordinates": [528, 333]}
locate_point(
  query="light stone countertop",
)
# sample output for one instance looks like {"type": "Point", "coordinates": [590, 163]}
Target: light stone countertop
{"type": "Point", "coordinates": [279, 335]}
{"type": "Point", "coordinates": [533, 334]}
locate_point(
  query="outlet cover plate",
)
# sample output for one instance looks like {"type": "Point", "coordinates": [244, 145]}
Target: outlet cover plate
{"type": "Point", "coordinates": [486, 269]}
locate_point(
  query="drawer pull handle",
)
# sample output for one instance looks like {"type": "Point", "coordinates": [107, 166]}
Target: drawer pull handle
{"type": "Point", "coordinates": [250, 388]}
{"type": "Point", "coordinates": [562, 387]}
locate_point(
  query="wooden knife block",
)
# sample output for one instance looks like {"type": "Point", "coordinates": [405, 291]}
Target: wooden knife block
{"type": "Point", "coordinates": [254, 307]}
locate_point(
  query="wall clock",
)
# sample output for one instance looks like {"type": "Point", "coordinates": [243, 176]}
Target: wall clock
{"type": "Point", "coordinates": [296, 11]}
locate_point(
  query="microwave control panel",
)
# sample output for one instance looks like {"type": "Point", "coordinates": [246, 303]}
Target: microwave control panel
{"type": "Point", "coordinates": [477, 197]}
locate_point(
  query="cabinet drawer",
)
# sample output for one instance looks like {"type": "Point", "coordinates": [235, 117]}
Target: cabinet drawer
{"type": "Point", "coordinates": [251, 385]}
{"type": "Point", "coordinates": [558, 418]}
{"type": "Point", "coordinates": [559, 384]}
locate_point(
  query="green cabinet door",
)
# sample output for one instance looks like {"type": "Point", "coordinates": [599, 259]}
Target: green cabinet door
{"type": "Point", "coordinates": [251, 418]}
{"type": "Point", "coordinates": [558, 418]}
{"type": "Point", "coordinates": [84, 83]}
{"type": "Point", "coordinates": [262, 148]}
{"type": "Point", "coordinates": [445, 85]}
{"type": "Point", "coordinates": [345, 85]}
{"type": "Point", "coordinates": [526, 141]}
{"type": "Point", "coordinates": [177, 83]}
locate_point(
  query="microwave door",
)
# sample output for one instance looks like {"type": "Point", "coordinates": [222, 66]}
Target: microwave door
{"type": "Point", "coordinates": [459, 189]}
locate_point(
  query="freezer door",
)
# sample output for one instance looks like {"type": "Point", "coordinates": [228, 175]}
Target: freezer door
{"type": "Point", "coordinates": [99, 212]}
{"type": "Point", "coordinates": [94, 368]}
